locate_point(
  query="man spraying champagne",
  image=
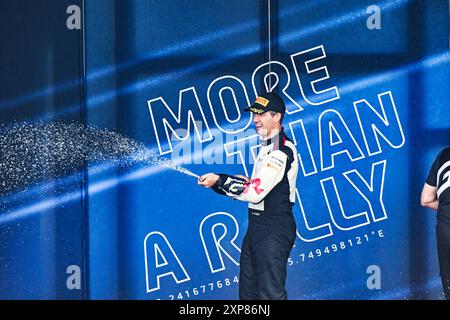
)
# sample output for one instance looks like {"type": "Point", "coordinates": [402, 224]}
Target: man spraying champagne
{"type": "Point", "coordinates": [270, 193]}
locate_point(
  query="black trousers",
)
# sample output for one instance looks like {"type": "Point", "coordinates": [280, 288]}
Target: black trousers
{"type": "Point", "coordinates": [263, 263]}
{"type": "Point", "coordinates": [443, 244]}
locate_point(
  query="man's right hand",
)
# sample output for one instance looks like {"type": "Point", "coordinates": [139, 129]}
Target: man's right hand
{"type": "Point", "coordinates": [208, 180]}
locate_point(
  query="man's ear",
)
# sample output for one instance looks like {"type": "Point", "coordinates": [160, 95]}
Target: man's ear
{"type": "Point", "coordinates": [278, 117]}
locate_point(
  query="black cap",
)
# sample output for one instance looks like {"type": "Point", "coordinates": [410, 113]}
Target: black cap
{"type": "Point", "coordinates": [269, 101]}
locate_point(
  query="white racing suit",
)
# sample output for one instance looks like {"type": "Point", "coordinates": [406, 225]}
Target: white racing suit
{"type": "Point", "coordinates": [271, 230]}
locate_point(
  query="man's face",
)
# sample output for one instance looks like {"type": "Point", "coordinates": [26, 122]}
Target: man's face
{"type": "Point", "coordinates": [265, 123]}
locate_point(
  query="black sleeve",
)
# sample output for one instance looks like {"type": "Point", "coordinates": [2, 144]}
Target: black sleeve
{"type": "Point", "coordinates": [432, 175]}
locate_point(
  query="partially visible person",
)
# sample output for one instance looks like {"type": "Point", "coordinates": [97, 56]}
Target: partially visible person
{"type": "Point", "coordinates": [436, 195]}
